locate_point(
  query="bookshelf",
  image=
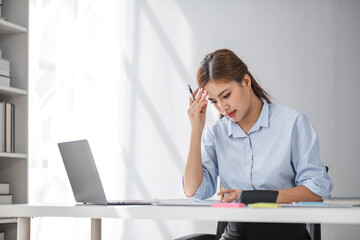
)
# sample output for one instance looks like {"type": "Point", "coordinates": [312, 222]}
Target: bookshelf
{"type": "Point", "coordinates": [12, 92]}
{"type": "Point", "coordinates": [10, 28]}
{"type": "Point", "coordinates": [8, 220]}
{"type": "Point", "coordinates": [14, 42]}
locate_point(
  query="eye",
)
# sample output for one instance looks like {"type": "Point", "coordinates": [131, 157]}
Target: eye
{"type": "Point", "coordinates": [227, 95]}
{"type": "Point", "coordinates": [212, 102]}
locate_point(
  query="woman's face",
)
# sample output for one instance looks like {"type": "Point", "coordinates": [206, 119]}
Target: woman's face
{"type": "Point", "coordinates": [230, 98]}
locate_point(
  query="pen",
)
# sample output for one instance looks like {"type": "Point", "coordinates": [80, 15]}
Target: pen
{"type": "Point", "coordinates": [191, 92]}
{"type": "Point", "coordinates": [222, 195]}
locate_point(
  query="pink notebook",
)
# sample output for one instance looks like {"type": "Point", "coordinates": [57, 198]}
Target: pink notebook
{"type": "Point", "coordinates": [227, 205]}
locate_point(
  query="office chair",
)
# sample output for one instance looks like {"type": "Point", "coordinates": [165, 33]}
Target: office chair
{"type": "Point", "coordinates": [314, 230]}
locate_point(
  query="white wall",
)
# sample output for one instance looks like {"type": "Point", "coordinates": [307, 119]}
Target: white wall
{"type": "Point", "coordinates": [304, 53]}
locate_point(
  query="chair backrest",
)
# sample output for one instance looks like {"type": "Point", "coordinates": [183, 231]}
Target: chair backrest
{"type": "Point", "coordinates": [220, 229]}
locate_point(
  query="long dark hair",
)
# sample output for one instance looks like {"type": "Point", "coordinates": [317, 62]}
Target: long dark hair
{"type": "Point", "coordinates": [225, 65]}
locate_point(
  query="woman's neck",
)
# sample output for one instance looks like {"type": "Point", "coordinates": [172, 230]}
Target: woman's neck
{"type": "Point", "coordinates": [253, 114]}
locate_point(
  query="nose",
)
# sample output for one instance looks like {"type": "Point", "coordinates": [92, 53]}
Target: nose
{"type": "Point", "coordinates": [223, 107]}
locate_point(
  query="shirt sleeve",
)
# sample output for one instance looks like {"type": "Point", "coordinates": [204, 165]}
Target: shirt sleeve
{"type": "Point", "coordinates": [208, 185]}
{"type": "Point", "coordinates": [305, 157]}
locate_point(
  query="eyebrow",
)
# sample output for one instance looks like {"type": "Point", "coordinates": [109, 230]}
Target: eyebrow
{"type": "Point", "coordinates": [220, 93]}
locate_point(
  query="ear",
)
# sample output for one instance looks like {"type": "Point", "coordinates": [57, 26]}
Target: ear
{"type": "Point", "coordinates": [246, 81]}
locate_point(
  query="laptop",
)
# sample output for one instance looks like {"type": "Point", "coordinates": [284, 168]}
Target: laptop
{"type": "Point", "coordinates": [84, 177]}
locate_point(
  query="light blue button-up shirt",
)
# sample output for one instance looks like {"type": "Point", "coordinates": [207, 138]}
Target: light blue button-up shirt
{"type": "Point", "coordinates": [280, 151]}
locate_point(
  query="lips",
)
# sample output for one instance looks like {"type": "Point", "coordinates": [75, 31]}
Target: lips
{"type": "Point", "coordinates": [230, 115]}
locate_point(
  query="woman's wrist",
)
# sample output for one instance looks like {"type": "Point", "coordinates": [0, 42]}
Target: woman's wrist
{"type": "Point", "coordinates": [196, 132]}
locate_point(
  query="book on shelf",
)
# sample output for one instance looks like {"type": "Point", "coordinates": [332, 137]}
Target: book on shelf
{"type": "Point", "coordinates": [4, 81]}
{"type": "Point", "coordinates": [4, 188]}
{"type": "Point", "coordinates": [5, 73]}
{"type": "Point", "coordinates": [4, 64]}
{"type": "Point", "coordinates": [342, 200]}
{"type": "Point", "coordinates": [7, 127]}
{"type": "Point", "coordinates": [2, 126]}
{"type": "Point", "coordinates": [2, 236]}
{"type": "Point", "coordinates": [1, 17]}
{"type": "Point", "coordinates": [12, 128]}
{"type": "Point", "coordinates": [5, 199]}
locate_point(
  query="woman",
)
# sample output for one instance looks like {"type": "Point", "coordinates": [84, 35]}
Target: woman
{"type": "Point", "coordinates": [256, 146]}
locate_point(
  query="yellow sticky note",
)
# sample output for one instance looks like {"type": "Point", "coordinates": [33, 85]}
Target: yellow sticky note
{"type": "Point", "coordinates": [264, 205]}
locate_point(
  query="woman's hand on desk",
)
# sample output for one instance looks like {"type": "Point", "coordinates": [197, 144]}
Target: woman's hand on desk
{"type": "Point", "coordinates": [231, 194]}
{"type": "Point", "coordinates": [197, 110]}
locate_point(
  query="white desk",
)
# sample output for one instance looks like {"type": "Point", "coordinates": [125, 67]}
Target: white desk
{"type": "Point", "coordinates": [290, 215]}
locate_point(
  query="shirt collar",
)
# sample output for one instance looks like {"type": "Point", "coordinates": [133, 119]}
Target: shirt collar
{"type": "Point", "coordinates": [235, 130]}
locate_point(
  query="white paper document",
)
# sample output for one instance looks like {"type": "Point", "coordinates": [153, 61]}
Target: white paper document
{"type": "Point", "coordinates": [184, 202]}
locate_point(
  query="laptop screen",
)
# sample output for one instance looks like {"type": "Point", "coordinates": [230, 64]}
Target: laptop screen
{"type": "Point", "coordinates": [82, 172]}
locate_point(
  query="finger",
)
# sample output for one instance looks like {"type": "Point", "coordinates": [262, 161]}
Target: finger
{"type": "Point", "coordinates": [196, 99]}
{"type": "Point", "coordinates": [203, 97]}
{"type": "Point", "coordinates": [226, 190]}
{"type": "Point", "coordinates": [195, 93]}
{"type": "Point", "coordinates": [196, 106]}
{"type": "Point", "coordinates": [199, 94]}
{"type": "Point", "coordinates": [229, 198]}
{"type": "Point", "coordinates": [203, 109]}
{"type": "Point", "coordinates": [200, 106]}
